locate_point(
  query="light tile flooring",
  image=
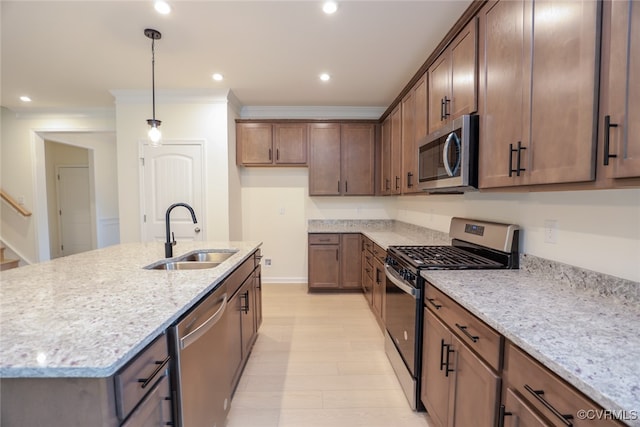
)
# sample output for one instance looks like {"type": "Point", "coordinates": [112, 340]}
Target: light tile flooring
{"type": "Point", "coordinates": [319, 361]}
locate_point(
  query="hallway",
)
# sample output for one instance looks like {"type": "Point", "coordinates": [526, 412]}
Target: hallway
{"type": "Point", "coordinates": [319, 361]}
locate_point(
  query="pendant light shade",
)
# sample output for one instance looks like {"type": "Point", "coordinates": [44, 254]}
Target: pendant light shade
{"type": "Point", "coordinates": [155, 136]}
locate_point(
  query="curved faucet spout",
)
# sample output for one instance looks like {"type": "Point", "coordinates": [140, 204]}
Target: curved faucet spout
{"type": "Point", "coordinates": [171, 241]}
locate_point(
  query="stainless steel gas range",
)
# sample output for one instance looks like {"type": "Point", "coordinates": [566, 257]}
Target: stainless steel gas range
{"type": "Point", "coordinates": [475, 245]}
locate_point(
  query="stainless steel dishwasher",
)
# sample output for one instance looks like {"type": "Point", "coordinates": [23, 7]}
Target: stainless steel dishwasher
{"type": "Point", "coordinates": [201, 374]}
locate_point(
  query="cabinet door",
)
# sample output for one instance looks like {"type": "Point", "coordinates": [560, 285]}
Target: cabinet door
{"type": "Point", "coordinates": [155, 409]}
{"type": "Point", "coordinates": [378, 288]}
{"type": "Point", "coordinates": [517, 413]}
{"type": "Point", "coordinates": [437, 341]}
{"type": "Point", "coordinates": [255, 143]}
{"type": "Point", "coordinates": [563, 95]}
{"type": "Point", "coordinates": [439, 84]}
{"type": "Point", "coordinates": [257, 281]}
{"type": "Point", "coordinates": [350, 258]}
{"type": "Point", "coordinates": [396, 150]}
{"type": "Point", "coordinates": [476, 389]}
{"type": "Point", "coordinates": [290, 141]}
{"type": "Point", "coordinates": [504, 85]}
{"type": "Point", "coordinates": [624, 89]}
{"type": "Point", "coordinates": [324, 266]}
{"type": "Point", "coordinates": [234, 337]}
{"type": "Point", "coordinates": [464, 72]}
{"type": "Point", "coordinates": [247, 310]}
{"type": "Point", "coordinates": [385, 161]}
{"type": "Point", "coordinates": [420, 128]}
{"type": "Point", "coordinates": [358, 159]}
{"type": "Point", "coordinates": [324, 161]}
{"type": "Point", "coordinates": [408, 139]}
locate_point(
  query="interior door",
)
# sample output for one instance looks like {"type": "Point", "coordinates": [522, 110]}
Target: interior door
{"type": "Point", "coordinates": [74, 211]}
{"type": "Point", "coordinates": [172, 173]}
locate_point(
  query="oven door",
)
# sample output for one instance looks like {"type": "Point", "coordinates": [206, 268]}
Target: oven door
{"type": "Point", "coordinates": [402, 317]}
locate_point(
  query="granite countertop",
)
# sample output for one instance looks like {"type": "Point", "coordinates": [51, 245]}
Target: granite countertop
{"type": "Point", "coordinates": [86, 315]}
{"type": "Point", "coordinates": [589, 340]}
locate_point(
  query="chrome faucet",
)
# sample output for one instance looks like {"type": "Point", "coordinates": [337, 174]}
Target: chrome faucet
{"type": "Point", "coordinates": [171, 239]}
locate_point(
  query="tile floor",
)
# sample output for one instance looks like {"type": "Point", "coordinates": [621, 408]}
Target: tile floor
{"type": "Point", "coordinates": [319, 361]}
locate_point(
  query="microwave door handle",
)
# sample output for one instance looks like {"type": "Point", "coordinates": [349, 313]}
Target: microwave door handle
{"type": "Point", "coordinates": [445, 158]}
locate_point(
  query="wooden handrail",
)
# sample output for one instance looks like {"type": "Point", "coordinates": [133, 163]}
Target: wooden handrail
{"type": "Point", "coordinates": [14, 203]}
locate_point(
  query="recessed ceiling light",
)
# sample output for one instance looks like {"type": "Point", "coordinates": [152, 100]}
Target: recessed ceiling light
{"type": "Point", "coordinates": [217, 77]}
{"type": "Point", "coordinates": [25, 98]}
{"type": "Point", "coordinates": [325, 77]}
{"type": "Point", "coordinates": [162, 7]}
{"type": "Point", "coordinates": [329, 7]}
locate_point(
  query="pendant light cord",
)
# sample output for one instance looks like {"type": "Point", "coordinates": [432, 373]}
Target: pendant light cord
{"type": "Point", "coordinates": [153, 77]}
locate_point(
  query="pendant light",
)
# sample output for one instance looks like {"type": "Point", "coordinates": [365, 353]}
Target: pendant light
{"type": "Point", "coordinates": [155, 136]}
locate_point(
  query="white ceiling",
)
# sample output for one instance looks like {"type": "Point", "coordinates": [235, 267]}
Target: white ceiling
{"type": "Point", "coordinates": [68, 55]}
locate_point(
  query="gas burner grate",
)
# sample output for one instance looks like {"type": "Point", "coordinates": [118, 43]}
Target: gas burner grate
{"type": "Point", "coordinates": [445, 257]}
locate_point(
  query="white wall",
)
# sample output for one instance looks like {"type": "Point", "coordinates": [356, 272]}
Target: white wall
{"type": "Point", "coordinates": [597, 230]}
{"type": "Point", "coordinates": [198, 115]}
{"type": "Point", "coordinates": [22, 172]}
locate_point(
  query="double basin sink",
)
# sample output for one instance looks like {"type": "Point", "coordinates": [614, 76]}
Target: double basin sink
{"type": "Point", "coordinates": [198, 260]}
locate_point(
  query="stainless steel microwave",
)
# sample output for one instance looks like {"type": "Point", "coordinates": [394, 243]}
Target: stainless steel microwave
{"type": "Point", "coordinates": [448, 158]}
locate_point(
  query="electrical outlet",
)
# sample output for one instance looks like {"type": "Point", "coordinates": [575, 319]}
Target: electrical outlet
{"type": "Point", "coordinates": [551, 231]}
{"type": "Point", "coordinates": [21, 200]}
{"type": "Point", "coordinates": [282, 211]}
{"type": "Point", "coordinates": [267, 262]}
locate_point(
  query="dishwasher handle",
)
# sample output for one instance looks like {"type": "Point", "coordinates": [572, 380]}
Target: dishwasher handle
{"type": "Point", "coordinates": [193, 336]}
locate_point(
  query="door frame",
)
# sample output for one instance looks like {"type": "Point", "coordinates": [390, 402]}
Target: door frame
{"type": "Point", "coordinates": [92, 216]}
{"type": "Point", "coordinates": [203, 156]}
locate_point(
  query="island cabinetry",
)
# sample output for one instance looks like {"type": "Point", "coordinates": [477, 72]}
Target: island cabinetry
{"type": "Point", "coordinates": [538, 96]}
{"type": "Point", "coordinates": [271, 144]}
{"type": "Point", "coordinates": [621, 101]}
{"type": "Point", "coordinates": [453, 79]}
{"type": "Point", "coordinates": [335, 261]}
{"type": "Point", "coordinates": [243, 305]}
{"type": "Point", "coordinates": [460, 382]}
{"type": "Point", "coordinates": [534, 396]}
{"type": "Point", "coordinates": [342, 159]}
{"type": "Point", "coordinates": [137, 395]}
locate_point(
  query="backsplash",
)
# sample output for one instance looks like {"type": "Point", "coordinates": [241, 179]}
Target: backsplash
{"type": "Point", "coordinates": [627, 291]}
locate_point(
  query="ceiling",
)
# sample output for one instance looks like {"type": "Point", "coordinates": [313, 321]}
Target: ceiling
{"type": "Point", "coordinates": [68, 55]}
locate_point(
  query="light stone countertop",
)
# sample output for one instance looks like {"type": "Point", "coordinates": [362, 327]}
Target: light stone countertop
{"type": "Point", "coordinates": [589, 340]}
{"type": "Point", "coordinates": [87, 314]}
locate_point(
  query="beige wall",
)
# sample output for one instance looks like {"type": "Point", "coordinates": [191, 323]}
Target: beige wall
{"type": "Point", "coordinates": [22, 173]}
{"type": "Point", "coordinates": [597, 230]}
{"type": "Point", "coordinates": [185, 116]}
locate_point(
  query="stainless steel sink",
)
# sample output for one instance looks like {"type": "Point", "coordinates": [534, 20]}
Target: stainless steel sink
{"type": "Point", "coordinates": [198, 260]}
{"type": "Point", "coordinates": [207, 256]}
{"type": "Point", "coordinates": [184, 265]}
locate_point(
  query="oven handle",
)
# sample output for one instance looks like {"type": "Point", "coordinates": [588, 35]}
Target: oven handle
{"type": "Point", "coordinates": [397, 280]}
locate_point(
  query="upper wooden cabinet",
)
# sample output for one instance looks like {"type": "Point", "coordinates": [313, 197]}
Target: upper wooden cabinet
{"type": "Point", "coordinates": [453, 77]}
{"type": "Point", "coordinates": [538, 95]}
{"type": "Point", "coordinates": [391, 162]}
{"type": "Point", "coordinates": [414, 129]}
{"type": "Point", "coordinates": [271, 144]}
{"type": "Point", "coordinates": [342, 159]}
{"type": "Point", "coordinates": [620, 114]}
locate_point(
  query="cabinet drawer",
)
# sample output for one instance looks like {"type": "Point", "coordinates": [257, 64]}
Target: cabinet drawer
{"type": "Point", "coordinates": [155, 410]}
{"type": "Point", "coordinates": [368, 244]}
{"type": "Point", "coordinates": [486, 342]}
{"type": "Point", "coordinates": [324, 239]}
{"type": "Point", "coordinates": [136, 379]}
{"type": "Point", "coordinates": [379, 253]}
{"type": "Point", "coordinates": [547, 393]}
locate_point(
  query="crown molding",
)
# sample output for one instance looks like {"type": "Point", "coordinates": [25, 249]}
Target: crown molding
{"type": "Point", "coordinates": [75, 113]}
{"type": "Point", "coordinates": [311, 112]}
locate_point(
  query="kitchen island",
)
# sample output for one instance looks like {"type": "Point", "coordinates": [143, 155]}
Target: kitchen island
{"type": "Point", "coordinates": [86, 316]}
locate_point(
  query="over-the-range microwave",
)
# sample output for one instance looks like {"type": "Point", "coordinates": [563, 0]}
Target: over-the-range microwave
{"type": "Point", "coordinates": [448, 158]}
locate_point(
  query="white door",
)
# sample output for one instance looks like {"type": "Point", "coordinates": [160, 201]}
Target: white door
{"type": "Point", "coordinates": [172, 173]}
{"type": "Point", "coordinates": [74, 211]}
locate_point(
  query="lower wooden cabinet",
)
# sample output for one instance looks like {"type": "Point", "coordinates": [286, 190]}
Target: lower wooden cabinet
{"type": "Point", "coordinates": [458, 388]}
{"type": "Point", "coordinates": [335, 261]}
{"type": "Point", "coordinates": [534, 396]}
